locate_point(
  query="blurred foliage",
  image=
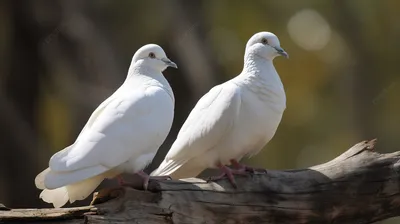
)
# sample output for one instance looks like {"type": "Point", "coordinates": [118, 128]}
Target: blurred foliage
{"type": "Point", "coordinates": [60, 59]}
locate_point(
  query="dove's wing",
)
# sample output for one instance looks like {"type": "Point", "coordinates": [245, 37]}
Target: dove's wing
{"type": "Point", "coordinates": [208, 123]}
{"type": "Point", "coordinates": [88, 125]}
{"type": "Point", "coordinates": [125, 127]}
{"type": "Point", "coordinates": [96, 113]}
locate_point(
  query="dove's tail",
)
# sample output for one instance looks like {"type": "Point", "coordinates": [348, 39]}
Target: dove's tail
{"type": "Point", "coordinates": [80, 190]}
{"type": "Point", "coordinates": [177, 170]}
{"type": "Point", "coordinates": [58, 197]}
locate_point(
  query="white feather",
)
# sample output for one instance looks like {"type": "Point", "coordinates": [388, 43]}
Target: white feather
{"type": "Point", "coordinates": [55, 180]}
{"type": "Point", "coordinates": [58, 197]}
{"type": "Point", "coordinates": [122, 135]}
{"type": "Point", "coordinates": [234, 119]}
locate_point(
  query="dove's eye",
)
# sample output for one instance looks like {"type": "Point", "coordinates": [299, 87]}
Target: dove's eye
{"type": "Point", "coordinates": [264, 41]}
{"type": "Point", "coordinates": [152, 55]}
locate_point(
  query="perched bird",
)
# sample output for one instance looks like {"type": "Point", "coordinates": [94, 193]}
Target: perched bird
{"type": "Point", "coordinates": [121, 136]}
{"type": "Point", "coordinates": [234, 119]}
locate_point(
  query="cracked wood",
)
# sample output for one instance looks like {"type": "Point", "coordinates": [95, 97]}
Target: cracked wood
{"type": "Point", "coordinates": [359, 186]}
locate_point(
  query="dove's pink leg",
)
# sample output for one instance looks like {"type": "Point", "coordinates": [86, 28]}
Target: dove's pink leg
{"type": "Point", "coordinates": [120, 180]}
{"type": "Point", "coordinates": [146, 178]}
{"type": "Point", "coordinates": [227, 172]}
{"type": "Point", "coordinates": [240, 167]}
{"type": "Point", "coordinates": [243, 168]}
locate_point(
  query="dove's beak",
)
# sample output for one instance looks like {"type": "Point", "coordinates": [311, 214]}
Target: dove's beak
{"type": "Point", "coordinates": [169, 63]}
{"type": "Point", "coordinates": [281, 52]}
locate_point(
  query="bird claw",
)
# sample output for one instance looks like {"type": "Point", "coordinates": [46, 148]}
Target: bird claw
{"type": "Point", "coordinates": [226, 173]}
{"type": "Point", "coordinates": [223, 176]}
{"type": "Point", "coordinates": [145, 184]}
{"type": "Point", "coordinates": [243, 168]}
{"type": "Point", "coordinates": [160, 178]}
{"type": "Point", "coordinates": [229, 173]}
{"type": "Point", "coordinates": [252, 170]}
{"type": "Point", "coordinates": [157, 178]}
{"type": "Point", "coordinates": [124, 183]}
{"type": "Point", "coordinates": [121, 181]}
{"type": "Point", "coordinates": [147, 178]}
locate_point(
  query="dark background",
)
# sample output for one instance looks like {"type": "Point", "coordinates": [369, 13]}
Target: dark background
{"type": "Point", "coordinates": [60, 59]}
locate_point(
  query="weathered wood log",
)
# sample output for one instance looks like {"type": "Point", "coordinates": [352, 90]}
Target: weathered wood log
{"type": "Point", "coordinates": [359, 186]}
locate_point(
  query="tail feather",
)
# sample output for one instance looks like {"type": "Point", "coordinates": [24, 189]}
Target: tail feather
{"type": "Point", "coordinates": [166, 168]}
{"type": "Point", "coordinates": [70, 192]}
{"type": "Point", "coordinates": [58, 197]}
{"type": "Point", "coordinates": [55, 180]}
{"type": "Point", "coordinates": [83, 189]}
{"type": "Point", "coordinates": [39, 180]}
{"type": "Point", "coordinates": [73, 192]}
{"type": "Point", "coordinates": [177, 170]}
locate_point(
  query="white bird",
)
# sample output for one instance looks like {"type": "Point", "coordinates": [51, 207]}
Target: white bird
{"type": "Point", "coordinates": [234, 119]}
{"type": "Point", "coordinates": [121, 136]}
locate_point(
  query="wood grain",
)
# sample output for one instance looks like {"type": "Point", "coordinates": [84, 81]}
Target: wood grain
{"type": "Point", "coordinates": [360, 186]}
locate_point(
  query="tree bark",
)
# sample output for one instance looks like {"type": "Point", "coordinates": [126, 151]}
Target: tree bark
{"type": "Point", "coordinates": [359, 186]}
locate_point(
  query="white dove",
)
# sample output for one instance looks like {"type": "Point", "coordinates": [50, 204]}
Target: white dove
{"type": "Point", "coordinates": [121, 136]}
{"type": "Point", "coordinates": [234, 119]}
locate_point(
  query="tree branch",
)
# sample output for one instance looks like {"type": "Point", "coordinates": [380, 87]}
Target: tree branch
{"type": "Point", "coordinates": [359, 186]}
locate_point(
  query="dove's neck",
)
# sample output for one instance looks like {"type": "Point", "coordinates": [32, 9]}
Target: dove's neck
{"type": "Point", "coordinates": [258, 68]}
{"type": "Point", "coordinates": [145, 73]}
{"type": "Point", "coordinates": [140, 74]}
{"type": "Point", "coordinates": [260, 77]}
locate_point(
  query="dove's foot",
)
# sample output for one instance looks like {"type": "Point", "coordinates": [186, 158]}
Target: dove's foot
{"type": "Point", "coordinates": [228, 173]}
{"type": "Point", "coordinates": [243, 168]}
{"type": "Point", "coordinates": [135, 185]}
{"type": "Point", "coordinates": [124, 183]}
{"type": "Point", "coordinates": [121, 180]}
{"type": "Point", "coordinates": [147, 178]}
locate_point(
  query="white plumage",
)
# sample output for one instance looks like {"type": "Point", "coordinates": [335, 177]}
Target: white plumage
{"type": "Point", "coordinates": [234, 119]}
{"type": "Point", "coordinates": [122, 135]}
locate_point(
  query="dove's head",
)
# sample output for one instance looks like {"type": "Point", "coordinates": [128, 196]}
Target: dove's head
{"type": "Point", "coordinates": [153, 56]}
{"type": "Point", "coordinates": [265, 45]}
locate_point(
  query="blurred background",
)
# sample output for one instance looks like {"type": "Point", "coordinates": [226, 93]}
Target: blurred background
{"type": "Point", "coordinates": [61, 59]}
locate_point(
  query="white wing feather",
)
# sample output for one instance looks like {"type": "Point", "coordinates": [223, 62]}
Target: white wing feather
{"type": "Point", "coordinates": [108, 139]}
{"type": "Point", "coordinates": [116, 127]}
